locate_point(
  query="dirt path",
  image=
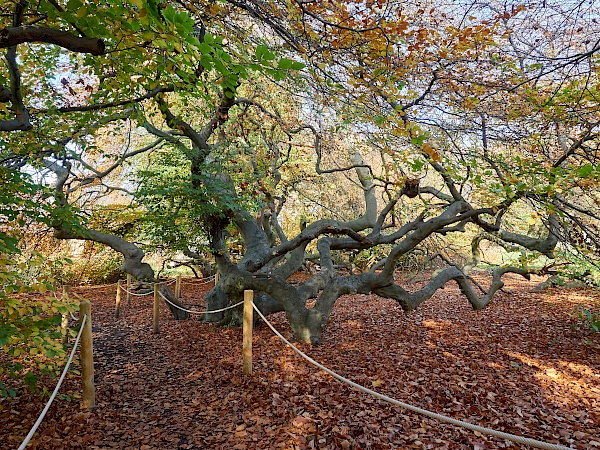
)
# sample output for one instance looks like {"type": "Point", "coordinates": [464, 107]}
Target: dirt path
{"type": "Point", "coordinates": [520, 366]}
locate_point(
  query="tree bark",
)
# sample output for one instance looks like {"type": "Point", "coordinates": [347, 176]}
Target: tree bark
{"type": "Point", "coordinates": [19, 35]}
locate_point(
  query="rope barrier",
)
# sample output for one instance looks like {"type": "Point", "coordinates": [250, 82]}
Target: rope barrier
{"type": "Point", "coordinates": [113, 284]}
{"type": "Point", "coordinates": [424, 412]}
{"type": "Point", "coordinates": [198, 312]}
{"type": "Point", "coordinates": [166, 283]}
{"type": "Point", "coordinates": [205, 281]}
{"type": "Point", "coordinates": [135, 294]}
{"type": "Point", "coordinates": [94, 286]}
{"type": "Point", "coordinates": [62, 377]}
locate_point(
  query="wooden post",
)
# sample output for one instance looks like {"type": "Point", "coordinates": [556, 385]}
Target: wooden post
{"type": "Point", "coordinates": [156, 309]}
{"type": "Point", "coordinates": [178, 286]}
{"type": "Point", "coordinates": [216, 278]}
{"type": "Point", "coordinates": [128, 289]}
{"type": "Point", "coordinates": [247, 343]}
{"type": "Point", "coordinates": [118, 300]}
{"type": "Point", "coordinates": [64, 323]}
{"type": "Point", "coordinates": [87, 356]}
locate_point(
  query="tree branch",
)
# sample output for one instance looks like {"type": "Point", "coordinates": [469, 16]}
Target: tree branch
{"type": "Point", "coordinates": [95, 107]}
{"type": "Point", "coordinates": [544, 246]}
{"type": "Point", "coordinates": [18, 35]}
{"type": "Point", "coordinates": [21, 120]}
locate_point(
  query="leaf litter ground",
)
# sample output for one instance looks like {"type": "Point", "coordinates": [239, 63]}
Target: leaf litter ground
{"type": "Point", "coordinates": [523, 365]}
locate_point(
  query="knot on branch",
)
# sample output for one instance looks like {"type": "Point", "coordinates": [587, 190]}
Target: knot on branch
{"type": "Point", "coordinates": [411, 188]}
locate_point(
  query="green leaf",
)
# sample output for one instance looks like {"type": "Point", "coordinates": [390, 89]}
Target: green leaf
{"type": "Point", "coordinates": [73, 5]}
{"type": "Point", "coordinates": [169, 14]}
{"type": "Point", "coordinates": [585, 171]}
{"type": "Point", "coordinates": [205, 48]}
{"type": "Point", "coordinates": [285, 63]}
{"type": "Point", "coordinates": [30, 380]}
{"type": "Point", "coordinates": [260, 51]}
{"type": "Point", "coordinates": [419, 140]}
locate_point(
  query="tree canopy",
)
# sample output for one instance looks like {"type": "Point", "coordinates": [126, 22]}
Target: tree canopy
{"type": "Point", "coordinates": [320, 133]}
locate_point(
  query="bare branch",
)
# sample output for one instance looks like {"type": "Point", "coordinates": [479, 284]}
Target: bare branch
{"type": "Point", "coordinates": [98, 106]}
{"type": "Point", "coordinates": [99, 175]}
{"type": "Point", "coordinates": [544, 246]}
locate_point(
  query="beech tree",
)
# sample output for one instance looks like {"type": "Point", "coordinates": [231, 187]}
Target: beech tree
{"type": "Point", "coordinates": [426, 95]}
{"type": "Point", "coordinates": [453, 122]}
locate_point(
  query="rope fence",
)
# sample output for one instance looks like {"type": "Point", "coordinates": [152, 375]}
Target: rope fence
{"type": "Point", "coordinates": [85, 336]}
{"type": "Point", "coordinates": [120, 287]}
{"type": "Point", "coordinates": [135, 294]}
{"type": "Point", "coordinates": [178, 284]}
{"type": "Point", "coordinates": [424, 412]}
{"type": "Point", "coordinates": [169, 282]}
{"type": "Point", "coordinates": [88, 396]}
{"type": "Point", "coordinates": [166, 283]}
{"type": "Point", "coordinates": [64, 297]}
{"type": "Point", "coordinates": [97, 285]}
{"type": "Point", "coordinates": [200, 283]}
{"type": "Point", "coordinates": [198, 312]}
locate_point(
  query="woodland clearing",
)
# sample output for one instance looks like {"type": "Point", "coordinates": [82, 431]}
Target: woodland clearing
{"type": "Point", "coordinates": [523, 365]}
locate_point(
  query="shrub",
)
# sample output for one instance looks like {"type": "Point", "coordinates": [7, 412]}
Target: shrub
{"type": "Point", "coordinates": [99, 268]}
{"type": "Point", "coordinates": [30, 325]}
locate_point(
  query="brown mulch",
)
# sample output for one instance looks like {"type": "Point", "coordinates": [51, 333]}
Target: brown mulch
{"type": "Point", "coordinates": [524, 365]}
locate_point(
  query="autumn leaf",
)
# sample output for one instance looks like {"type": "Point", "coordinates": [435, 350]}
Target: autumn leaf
{"type": "Point", "coordinates": [376, 383]}
{"type": "Point", "coordinates": [152, 392]}
{"type": "Point", "coordinates": [432, 152]}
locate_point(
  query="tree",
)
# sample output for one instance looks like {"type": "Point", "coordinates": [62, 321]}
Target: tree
{"type": "Point", "coordinates": [30, 141]}
{"type": "Point", "coordinates": [366, 70]}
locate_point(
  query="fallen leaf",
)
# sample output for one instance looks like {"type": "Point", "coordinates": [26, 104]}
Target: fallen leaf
{"type": "Point", "coordinates": [376, 383]}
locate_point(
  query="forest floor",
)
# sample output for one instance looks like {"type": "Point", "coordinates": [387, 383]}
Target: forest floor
{"type": "Point", "coordinates": [524, 365]}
